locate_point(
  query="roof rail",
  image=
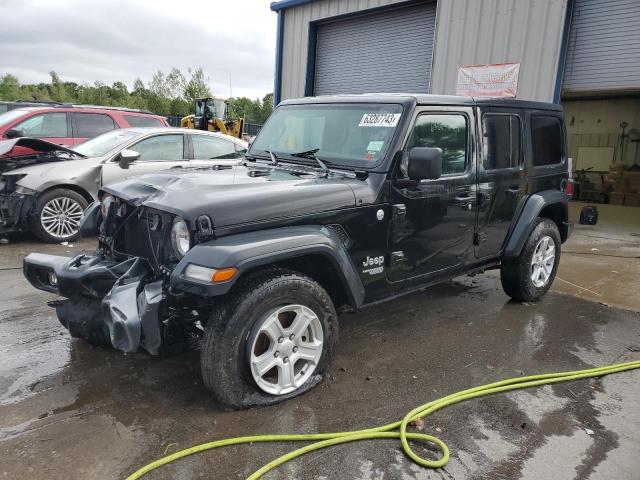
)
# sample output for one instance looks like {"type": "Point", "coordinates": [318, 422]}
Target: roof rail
{"type": "Point", "coordinates": [35, 103]}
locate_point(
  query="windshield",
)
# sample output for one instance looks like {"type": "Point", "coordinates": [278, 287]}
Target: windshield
{"type": "Point", "coordinates": [10, 116]}
{"type": "Point", "coordinates": [356, 135]}
{"type": "Point", "coordinates": [215, 106]}
{"type": "Point", "coordinates": [103, 144]}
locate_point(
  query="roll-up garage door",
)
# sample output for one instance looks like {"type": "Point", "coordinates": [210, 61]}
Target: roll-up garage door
{"type": "Point", "coordinates": [388, 51]}
{"type": "Point", "coordinates": [604, 47]}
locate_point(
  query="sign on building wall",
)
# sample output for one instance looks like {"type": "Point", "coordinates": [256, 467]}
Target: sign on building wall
{"type": "Point", "coordinates": [500, 80]}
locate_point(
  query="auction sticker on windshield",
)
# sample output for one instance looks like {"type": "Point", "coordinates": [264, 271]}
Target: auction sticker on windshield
{"type": "Point", "coordinates": [379, 120]}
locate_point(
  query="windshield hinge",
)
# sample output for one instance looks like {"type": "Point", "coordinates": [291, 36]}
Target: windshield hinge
{"type": "Point", "coordinates": [204, 228]}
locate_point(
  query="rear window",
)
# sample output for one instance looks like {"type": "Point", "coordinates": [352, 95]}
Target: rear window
{"type": "Point", "coordinates": [140, 121]}
{"type": "Point", "coordinates": [89, 125]}
{"type": "Point", "coordinates": [546, 140]}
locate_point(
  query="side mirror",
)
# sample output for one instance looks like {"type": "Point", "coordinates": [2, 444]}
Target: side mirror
{"type": "Point", "coordinates": [14, 133]}
{"type": "Point", "coordinates": [126, 157]}
{"type": "Point", "coordinates": [425, 163]}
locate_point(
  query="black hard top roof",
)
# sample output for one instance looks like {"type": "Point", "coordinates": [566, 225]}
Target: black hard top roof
{"type": "Point", "coordinates": [425, 99]}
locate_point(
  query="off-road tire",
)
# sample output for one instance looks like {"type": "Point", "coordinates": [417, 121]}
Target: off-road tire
{"type": "Point", "coordinates": [223, 358]}
{"type": "Point", "coordinates": [36, 225]}
{"type": "Point", "coordinates": [515, 274]}
{"type": "Point", "coordinates": [83, 319]}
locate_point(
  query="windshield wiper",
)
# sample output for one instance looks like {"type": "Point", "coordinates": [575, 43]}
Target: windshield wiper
{"type": "Point", "coordinates": [311, 154]}
{"type": "Point", "coordinates": [274, 158]}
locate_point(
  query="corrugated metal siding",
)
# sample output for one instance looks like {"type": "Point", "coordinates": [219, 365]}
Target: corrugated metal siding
{"type": "Point", "coordinates": [604, 47]}
{"type": "Point", "coordinates": [473, 32]}
{"type": "Point", "coordinates": [366, 53]}
{"type": "Point", "coordinates": [296, 37]}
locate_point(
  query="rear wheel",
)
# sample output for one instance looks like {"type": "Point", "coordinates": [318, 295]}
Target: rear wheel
{"type": "Point", "coordinates": [528, 277]}
{"type": "Point", "coordinates": [58, 214]}
{"type": "Point", "coordinates": [271, 340]}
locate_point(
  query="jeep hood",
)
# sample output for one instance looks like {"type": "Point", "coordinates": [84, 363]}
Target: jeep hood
{"type": "Point", "coordinates": [236, 195]}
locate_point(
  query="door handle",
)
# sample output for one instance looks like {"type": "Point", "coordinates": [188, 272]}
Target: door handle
{"type": "Point", "coordinates": [513, 191]}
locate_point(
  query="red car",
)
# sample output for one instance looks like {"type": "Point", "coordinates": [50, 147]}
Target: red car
{"type": "Point", "coordinates": [69, 125]}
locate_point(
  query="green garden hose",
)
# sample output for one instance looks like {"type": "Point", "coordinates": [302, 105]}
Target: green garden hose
{"type": "Point", "coordinates": [392, 430]}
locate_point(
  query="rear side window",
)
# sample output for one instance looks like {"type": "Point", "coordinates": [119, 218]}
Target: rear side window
{"type": "Point", "coordinates": [89, 125]}
{"type": "Point", "coordinates": [501, 145]}
{"type": "Point", "coordinates": [546, 140]}
{"type": "Point", "coordinates": [208, 148]}
{"type": "Point", "coordinates": [50, 125]}
{"type": "Point", "coordinates": [140, 121]}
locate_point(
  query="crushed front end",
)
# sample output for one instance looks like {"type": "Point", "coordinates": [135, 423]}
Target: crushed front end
{"type": "Point", "coordinates": [124, 287]}
{"type": "Point", "coordinates": [16, 205]}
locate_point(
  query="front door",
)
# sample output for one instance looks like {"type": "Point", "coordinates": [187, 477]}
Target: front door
{"type": "Point", "coordinates": [160, 152]}
{"type": "Point", "coordinates": [501, 178]}
{"type": "Point", "coordinates": [432, 224]}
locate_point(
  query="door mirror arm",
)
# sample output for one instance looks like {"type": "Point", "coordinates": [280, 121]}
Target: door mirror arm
{"type": "Point", "coordinates": [14, 133]}
{"type": "Point", "coordinates": [125, 157]}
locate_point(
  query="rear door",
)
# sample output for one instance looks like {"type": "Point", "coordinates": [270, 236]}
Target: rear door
{"type": "Point", "coordinates": [501, 177]}
{"type": "Point", "coordinates": [89, 125]}
{"type": "Point", "coordinates": [157, 153]}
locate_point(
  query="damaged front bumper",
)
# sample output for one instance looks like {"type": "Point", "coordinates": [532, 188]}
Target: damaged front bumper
{"type": "Point", "coordinates": [128, 293]}
{"type": "Point", "coordinates": [14, 212]}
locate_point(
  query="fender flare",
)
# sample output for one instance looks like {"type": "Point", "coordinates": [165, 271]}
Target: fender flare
{"type": "Point", "coordinates": [523, 226]}
{"type": "Point", "coordinates": [246, 251]}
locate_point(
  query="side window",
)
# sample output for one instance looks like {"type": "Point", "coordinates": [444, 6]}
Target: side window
{"type": "Point", "coordinates": [140, 121]}
{"type": "Point", "coordinates": [52, 124]}
{"type": "Point", "coordinates": [445, 131]}
{"type": "Point", "coordinates": [501, 144]}
{"type": "Point", "coordinates": [208, 148]}
{"type": "Point", "coordinates": [163, 147]}
{"type": "Point", "coordinates": [89, 125]}
{"type": "Point", "coordinates": [546, 140]}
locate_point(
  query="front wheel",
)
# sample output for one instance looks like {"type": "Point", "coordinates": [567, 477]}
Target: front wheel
{"type": "Point", "coordinates": [58, 214]}
{"type": "Point", "coordinates": [271, 340]}
{"type": "Point", "coordinates": [528, 277]}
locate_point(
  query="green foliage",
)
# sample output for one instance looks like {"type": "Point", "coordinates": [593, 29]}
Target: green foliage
{"type": "Point", "coordinates": [253, 111]}
{"type": "Point", "coordinates": [166, 94]}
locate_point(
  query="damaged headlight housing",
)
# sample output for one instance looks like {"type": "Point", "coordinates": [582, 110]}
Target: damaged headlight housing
{"type": "Point", "coordinates": [180, 238]}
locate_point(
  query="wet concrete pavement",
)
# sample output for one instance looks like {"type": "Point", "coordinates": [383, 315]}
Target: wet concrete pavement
{"type": "Point", "coordinates": [68, 410]}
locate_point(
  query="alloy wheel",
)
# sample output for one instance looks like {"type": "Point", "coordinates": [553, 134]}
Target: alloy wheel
{"type": "Point", "coordinates": [542, 262]}
{"type": "Point", "coordinates": [286, 349]}
{"type": "Point", "coordinates": [60, 217]}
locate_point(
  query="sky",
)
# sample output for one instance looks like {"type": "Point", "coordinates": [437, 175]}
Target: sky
{"type": "Point", "coordinates": [121, 40]}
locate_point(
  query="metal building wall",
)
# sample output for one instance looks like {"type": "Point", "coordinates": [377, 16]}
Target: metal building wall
{"type": "Point", "coordinates": [296, 37]}
{"type": "Point", "coordinates": [604, 47]}
{"type": "Point", "coordinates": [472, 32]}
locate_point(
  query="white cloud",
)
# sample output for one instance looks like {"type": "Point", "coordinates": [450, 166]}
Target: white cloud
{"type": "Point", "coordinates": [110, 40]}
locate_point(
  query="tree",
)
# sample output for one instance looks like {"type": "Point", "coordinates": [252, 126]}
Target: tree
{"type": "Point", "coordinates": [9, 87]}
{"type": "Point", "coordinates": [197, 86]}
{"type": "Point", "coordinates": [58, 91]}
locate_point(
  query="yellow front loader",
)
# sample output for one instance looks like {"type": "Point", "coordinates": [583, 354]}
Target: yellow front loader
{"type": "Point", "coordinates": [211, 114]}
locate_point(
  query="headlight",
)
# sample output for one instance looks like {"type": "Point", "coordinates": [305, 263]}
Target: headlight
{"type": "Point", "coordinates": [180, 238]}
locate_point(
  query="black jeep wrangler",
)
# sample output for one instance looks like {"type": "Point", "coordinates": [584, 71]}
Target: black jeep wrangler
{"type": "Point", "coordinates": [342, 201]}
